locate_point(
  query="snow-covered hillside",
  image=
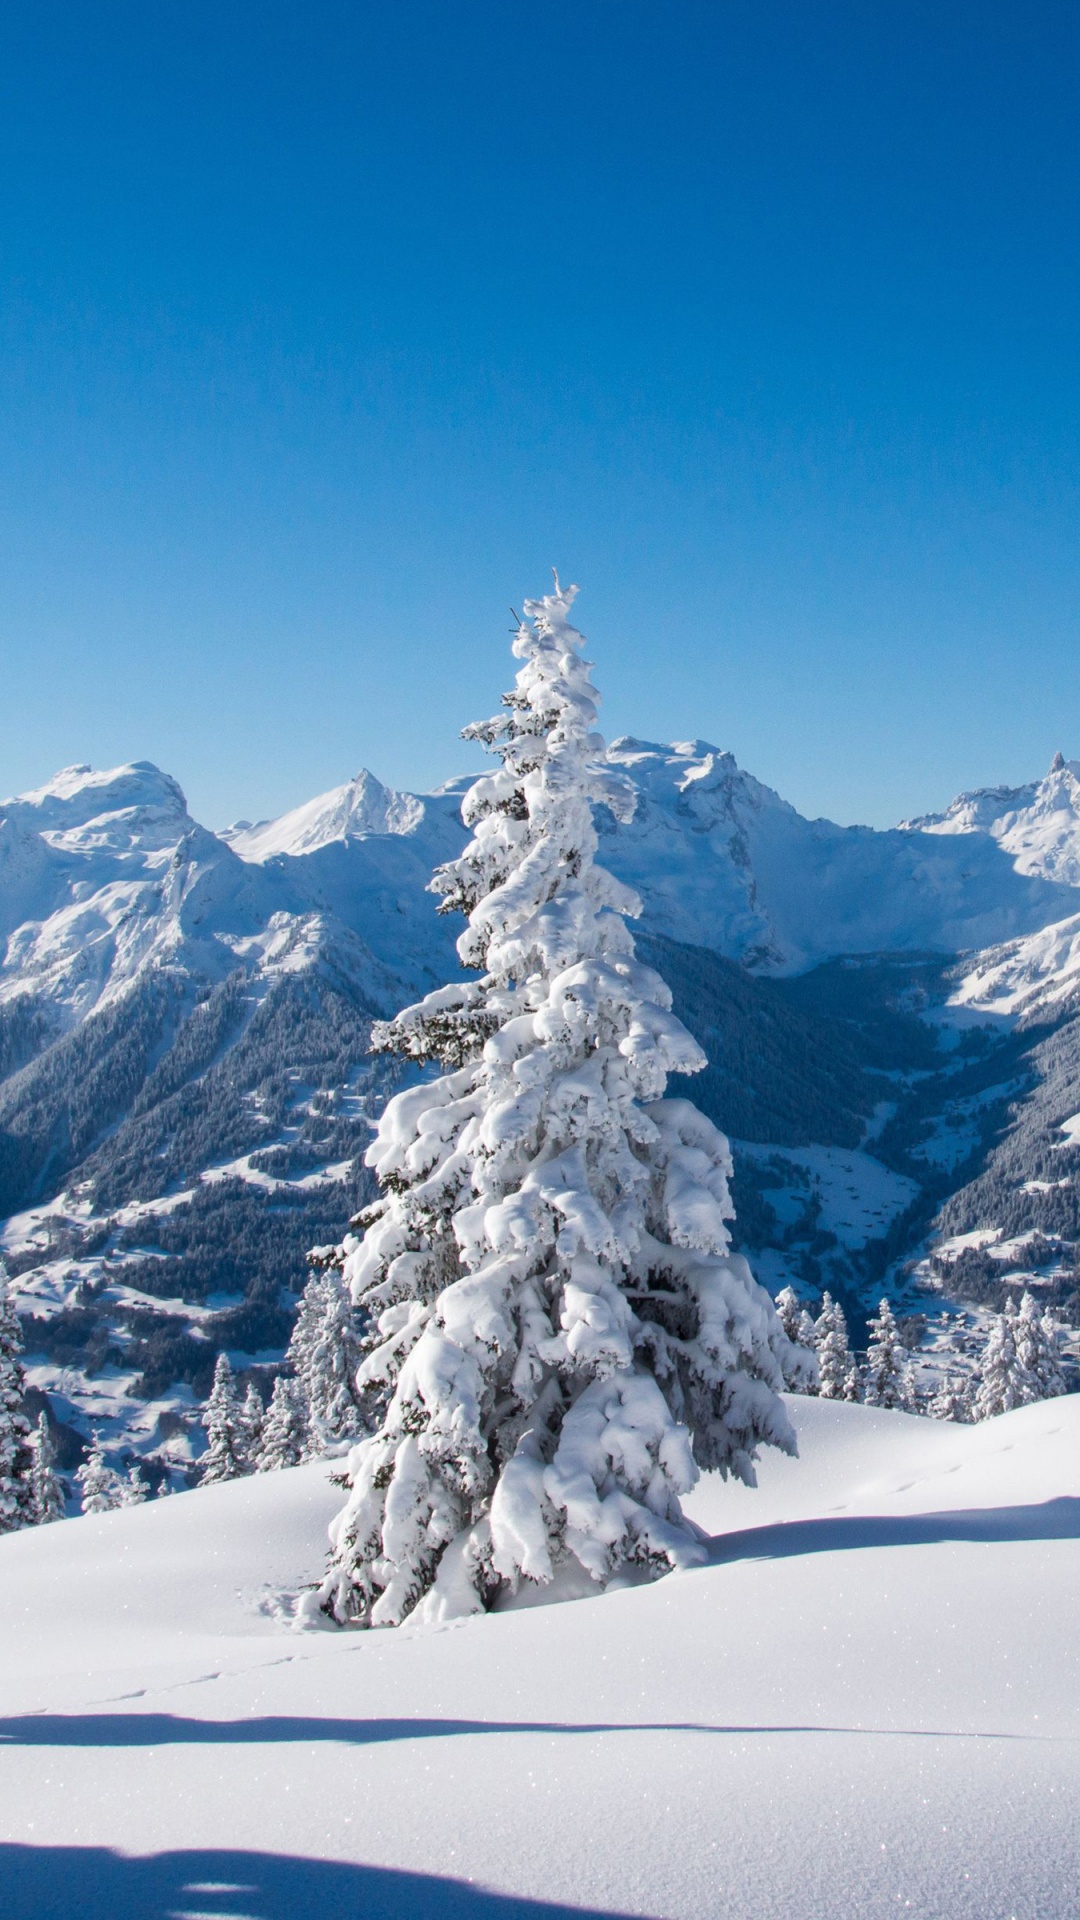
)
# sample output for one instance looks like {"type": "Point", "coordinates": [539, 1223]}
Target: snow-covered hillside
{"type": "Point", "coordinates": [1024, 979]}
{"type": "Point", "coordinates": [867, 1704]}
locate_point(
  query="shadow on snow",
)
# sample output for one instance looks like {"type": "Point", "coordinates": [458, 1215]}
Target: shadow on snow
{"type": "Point", "coordinates": [53, 1883]}
{"type": "Point", "coordinates": [842, 1533]}
{"type": "Point", "coordinates": [169, 1730]}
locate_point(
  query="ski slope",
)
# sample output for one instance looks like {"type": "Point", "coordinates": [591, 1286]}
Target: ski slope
{"type": "Point", "coordinates": [868, 1705]}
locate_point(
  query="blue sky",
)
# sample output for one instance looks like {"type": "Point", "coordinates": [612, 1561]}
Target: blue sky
{"type": "Point", "coordinates": [326, 329]}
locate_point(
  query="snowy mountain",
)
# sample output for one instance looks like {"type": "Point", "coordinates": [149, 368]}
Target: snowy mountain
{"type": "Point", "coordinates": [866, 1704]}
{"type": "Point", "coordinates": [363, 806]}
{"type": "Point", "coordinates": [1038, 826]}
{"type": "Point", "coordinates": [719, 860]}
{"type": "Point", "coordinates": [184, 1079]}
{"type": "Point", "coordinates": [722, 861]}
{"type": "Point", "coordinates": [105, 875]}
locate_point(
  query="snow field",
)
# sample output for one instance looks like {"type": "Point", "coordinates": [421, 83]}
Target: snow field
{"type": "Point", "coordinates": [867, 1705]}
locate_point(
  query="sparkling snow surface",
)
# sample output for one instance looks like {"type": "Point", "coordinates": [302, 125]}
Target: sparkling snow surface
{"type": "Point", "coordinates": [869, 1705]}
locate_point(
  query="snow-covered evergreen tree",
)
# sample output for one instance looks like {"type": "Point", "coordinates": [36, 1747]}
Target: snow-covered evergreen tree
{"type": "Point", "coordinates": [223, 1421]}
{"type": "Point", "coordinates": [560, 1338]}
{"type": "Point", "coordinates": [1001, 1386]}
{"type": "Point", "coordinates": [251, 1421]}
{"type": "Point", "coordinates": [133, 1488]}
{"type": "Point", "coordinates": [46, 1492]}
{"type": "Point", "coordinates": [1038, 1350]}
{"type": "Point", "coordinates": [16, 1456]}
{"type": "Point", "coordinates": [838, 1375]}
{"type": "Point", "coordinates": [324, 1356]}
{"type": "Point", "coordinates": [1021, 1361]}
{"type": "Point", "coordinates": [101, 1488]}
{"type": "Point", "coordinates": [308, 1320]}
{"type": "Point", "coordinates": [284, 1430]}
{"type": "Point", "coordinates": [331, 1363]}
{"type": "Point", "coordinates": [952, 1400]}
{"type": "Point", "coordinates": [800, 1373]}
{"type": "Point", "coordinates": [887, 1377]}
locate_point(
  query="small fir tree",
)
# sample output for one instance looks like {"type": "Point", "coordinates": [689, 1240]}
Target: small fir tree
{"type": "Point", "coordinates": [16, 1455]}
{"type": "Point", "coordinates": [560, 1337]}
{"type": "Point", "coordinates": [801, 1372]}
{"type": "Point", "coordinates": [1021, 1361]}
{"type": "Point", "coordinates": [331, 1364]}
{"type": "Point", "coordinates": [1001, 1386]}
{"type": "Point", "coordinates": [308, 1320]}
{"type": "Point", "coordinates": [223, 1422]}
{"type": "Point", "coordinates": [285, 1431]}
{"type": "Point", "coordinates": [1038, 1350]}
{"type": "Point", "coordinates": [837, 1372]}
{"type": "Point", "coordinates": [133, 1488]}
{"type": "Point", "coordinates": [251, 1421]}
{"type": "Point", "coordinates": [887, 1376]}
{"type": "Point", "coordinates": [46, 1491]}
{"type": "Point", "coordinates": [100, 1488]}
{"type": "Point", "coordinates": [952, 1400]}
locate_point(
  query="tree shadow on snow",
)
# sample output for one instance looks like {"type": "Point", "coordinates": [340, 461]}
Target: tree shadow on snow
{"type": "Point", "coordinates": [94, 1883]}
{"type": "Point", "coordinates": [169, 1729]}
{"type": "Point", "coordinates": [842, 1533]}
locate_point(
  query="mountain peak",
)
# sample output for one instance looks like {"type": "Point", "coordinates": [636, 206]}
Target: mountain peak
{"type": "Point", "coordinates": [1058, 766]}
{"type": "Point", "coordinates": [362, 806]}
{"type": "Point", "coordinates": [135, 804]}
{"type": "Point", "coordinates": [1038, 825]}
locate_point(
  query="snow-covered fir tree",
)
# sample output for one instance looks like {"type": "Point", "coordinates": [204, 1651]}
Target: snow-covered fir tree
{"type": "Point", "coordinates": [1000, 1385]}
{"type": "Point", "coordinates": [798, 1325]}
{"type": "Point", "coordinates": [560, 1338]}
{"type": "Point", "coordinates": [223, 1421]}
{"type": "Point", "coordinates": [333, 1364]}
{"type": "Point", "coordinates": [251, 1420]}
{"type": "Point", "coordinates": [16, 1455]}
{"type": "Point", "coordinates": [1020, 1362]}
{"type": "Point", "coordinates": [284, 1441]}
{"type": "Point", "coordinates": [309, 1315]}
{"type": "Point", "coordinates": [1038, 1350]}
{"type": "Point", "coordinates": [101, 1489]}
{"type": "Point", "coordinates": [952, 1399]}
{"type": "Point", "coordinates": [46, 1492]}
{"type": "Point", "coordinates": [328, 1362]}
{"type": "Point", "coordinates": [887, 1377]}
{"type": "Point", "coordinates": [838, 1374]}
{"type": "Point", "coordinates": [133, 1488]}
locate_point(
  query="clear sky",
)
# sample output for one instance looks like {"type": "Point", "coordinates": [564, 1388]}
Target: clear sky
{"type": "Point", "coordinates": [327, 329]}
